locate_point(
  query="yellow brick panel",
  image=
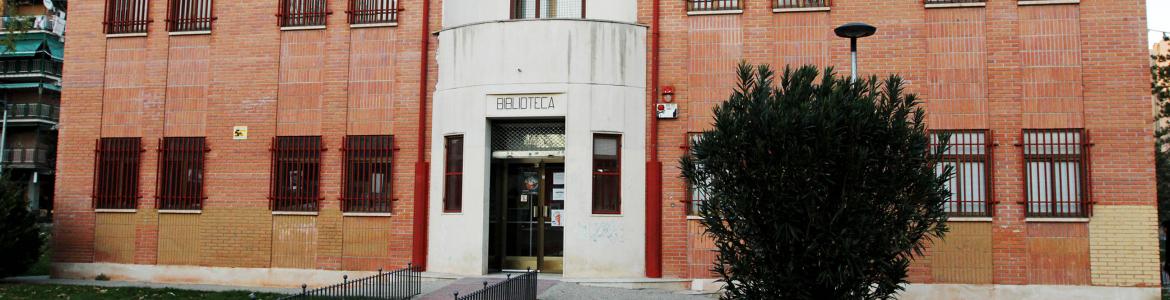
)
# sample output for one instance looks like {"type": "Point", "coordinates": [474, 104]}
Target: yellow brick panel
{"type": "Point", "coordinates": [178, 239]}
{"type": "Point", "coordinates": [365, 244]}
{"type": "Point", "coordinates": [114, 237]}
{"type": "Point", "coordinates": [1123, 243]}
{"type": "Point", "coordinates": [294, 242]}
{"type": "Point", "coordinates": [964, 256]}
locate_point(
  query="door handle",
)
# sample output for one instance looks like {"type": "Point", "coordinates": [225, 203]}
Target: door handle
{"type": "Point", "coordinates": [534, 215]}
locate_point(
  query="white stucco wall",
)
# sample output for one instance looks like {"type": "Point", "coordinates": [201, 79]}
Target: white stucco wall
{"type": "Point", "coordinates": [599, 69]}
{"type": "Point", "coordinates": [461, 12]}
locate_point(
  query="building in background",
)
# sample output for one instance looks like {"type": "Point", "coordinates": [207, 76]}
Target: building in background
{"type": "Point", "coordinates": [492, 135]}
{"type": "Point", "coordinates": [30, 84]}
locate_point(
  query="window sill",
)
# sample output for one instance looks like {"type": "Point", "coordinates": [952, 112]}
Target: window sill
{"type": "Point", "coordinates": [969, 219]}
{"type": "Point", "coordinates": [1056, 220]}
{"type": "Point", "coordinates": [694, 218]}
{"type": "Point", "coordinates": [956, 5]}
{"type": "Point", "coordinates": [452, 213]}
{"type": "Point", "coordinates": [123, 35]}
{"type": "Point", "coordinates": [607, 215]}
{"type": "Point", "coordinates": [295, 28]}
{"type": "Point", "coordinates": [294, 213]}
{"type": "Point", "coordinates": [119, 211]}
{"type": "Point", "coordinates": [180, 211]}
{"type": "Point", "coordinates": [716, 12]}
{"type": "Point", "coordinates": [200, 32]}
{"type": "Point", "coordinates": [800, 9]}
{"type": "Point", "coordinates": [372, 25]}
{"type": "Point", "coordinates": [1047, 2]}
{"type": "Point", "coordinates": [366, 214]}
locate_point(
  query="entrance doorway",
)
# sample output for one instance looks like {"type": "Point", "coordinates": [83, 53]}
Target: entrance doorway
{"type": "Point", "coordinates": [527, 199]}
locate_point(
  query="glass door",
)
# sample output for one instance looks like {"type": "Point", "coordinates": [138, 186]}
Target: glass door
{"type": "Point", "coordinates": [532, 232]}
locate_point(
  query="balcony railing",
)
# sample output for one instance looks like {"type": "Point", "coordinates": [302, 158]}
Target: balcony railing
{"type": "Point", "coordinates": [713, 5]}
{"type": "Point", "coordinates": [34, 111]}
{"type": "Point", "coordinates": [28, 157]}
{"type": "Point", "coordinates": [30, 67]}
{"type": "Point", "coordinates": [48, 23]}
{"type": "Point", "coordinates": [787, 4]}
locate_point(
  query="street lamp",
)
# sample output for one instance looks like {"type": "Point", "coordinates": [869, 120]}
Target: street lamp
{"type": "Point", "coordinates": [3, 131]}
{"type": "Point", "coordinates": [854, 31]}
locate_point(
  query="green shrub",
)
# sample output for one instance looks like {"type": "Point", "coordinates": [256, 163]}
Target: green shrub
{"type": "Point", "coordinates": [818, 188]}
{"type": "Point", "coordinates": [20, 241]}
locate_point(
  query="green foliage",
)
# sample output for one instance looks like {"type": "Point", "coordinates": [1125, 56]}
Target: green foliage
{"type": "Point", "coordinates": [20, 240]}
{"type": "Point", "coordinates": [1160, 88]}
{"type": "Point", "coordinates": [15, 25]}
{"type": "Point", "coordinates": [819, 188]}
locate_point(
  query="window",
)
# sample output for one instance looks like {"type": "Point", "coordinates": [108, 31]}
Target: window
{"type": "Point", "coordinates": [368, 162]}
{"type": "Point", "coordinates": [189, 15]}
{"type": "Point", "coordinates": [714, 5]}
{"type": "Point", "coordinates": [695, 194]}
{"type": "Point", "coordinates": [968, 157]}
{"type": "Point", "coordinates": [453, 174]}
{"type": "Point", "coordinates": [295, 13]}
{"type": "Point", "coordinates": [373, 11]}
{"type": "Point", "coordinates": [296, 173]}
{"type": "Point", "coordinates": [548, 9]}
{"type": "Point", "coordinates": [181, 173]}
{"type": "Point", "coordinates": [1056, 174]}
{"type": "Point", "coordinates": [607, 174]}
{"type": "Point", "coordinates": [783, 4]}
{"type": "Point", "coordinates": [953, 1]}
{"type": "Point", "coordinates": [127, 16]}
{"type": "Point", "coordinates": [116, 181]}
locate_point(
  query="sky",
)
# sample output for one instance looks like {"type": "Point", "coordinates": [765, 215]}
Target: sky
{"type": "Point", "coordinates": [1158, 16]}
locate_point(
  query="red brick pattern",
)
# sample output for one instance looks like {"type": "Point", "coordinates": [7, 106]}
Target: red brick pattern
{"type": "Point", "coordinates": [188, 82]}
{"type": "Point", "coordinates": [956, 74]}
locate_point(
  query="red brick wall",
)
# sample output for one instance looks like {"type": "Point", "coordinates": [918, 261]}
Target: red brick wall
{"type": "Point", "coordinates": [247, 72]}
{"type": "Point", "coordinates": [1002, 67]}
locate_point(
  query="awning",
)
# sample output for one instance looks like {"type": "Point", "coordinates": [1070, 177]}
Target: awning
{"type": "Point", "coordinates": [29, 85]}
{"type": "Point", "coordinates": [56, 48]}
{"type": "Point", "coordinates": [22, 48]}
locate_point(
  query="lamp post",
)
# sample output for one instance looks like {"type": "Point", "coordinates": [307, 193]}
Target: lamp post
{"type": "Point", "coordinates": [3, 131]}
{"type": "Point", "coordinates": [854, 31]}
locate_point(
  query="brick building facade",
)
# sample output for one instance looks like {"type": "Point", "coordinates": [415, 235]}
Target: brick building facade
{"type": "Point", "coordinates": [1002, 67]}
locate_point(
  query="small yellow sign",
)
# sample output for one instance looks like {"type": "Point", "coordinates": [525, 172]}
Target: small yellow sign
{"type": "Point", "coordinates": [240, 133]}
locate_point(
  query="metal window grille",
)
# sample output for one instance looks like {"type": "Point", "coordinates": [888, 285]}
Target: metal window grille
{"type": "Point", "coordinates": [373, 11]}
{"type": "Point", "coordinates": [116, 180]}
{"type": "Point", "coordinates": [303, 12]}
{"type": "Point", "coordinates": [548, 9]}
{"type": "Point", "coordinates": [453, 174]}
{"type": "Point", "coordinates": [181, 170]}
{"type": "Point", "coordinates": [127, 16]}
{"type": "Point", "coordinates": [1056, 164]}
{"type": "Point", "coordinates": [952, 1]}
{"type": "Point", "coordinates": [607, 173]}
{"type": "Point", "coordinates": [367, 185]}
{"type": "Point", "coordinates": [801, 3]}
{"type": "Point", "coordinates": [190, 15]}
{"type": "Point", "coordinates": [967, 154]}
{"type": "Point", "coordinates": [695, 194]}
{"type": "Point", "coordinates": [714, 5]}
{"type": "Point", "coordinates": [296, 173]}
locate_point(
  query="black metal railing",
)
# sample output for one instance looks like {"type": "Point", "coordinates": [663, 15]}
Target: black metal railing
{"type": "Point", "coordinates": [28, 157]}
{"type": "Point", "coordinates": [713, 5]}
{"type": "Point", "coordinates": [372, 11]}
{"type": "Point", "coordinates": [398, 284]}
{"type": "Point", "coordinates": [34, 111]}
{"type": "Point", "coordinates": [38, 66]}
{"type": "Point", "coordinates": [952, 1]}
{"type": "Point", "coordinates": [521, 287]}
{"type": "Point", "coordinates": [801, 3]}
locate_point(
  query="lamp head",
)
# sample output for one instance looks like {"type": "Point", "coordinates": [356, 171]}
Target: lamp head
{"type": "Point", "coordinates": [855, 30]}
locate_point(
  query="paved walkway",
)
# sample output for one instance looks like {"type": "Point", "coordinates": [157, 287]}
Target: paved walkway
{"type": "Point", "coordinates": [434, 289]}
